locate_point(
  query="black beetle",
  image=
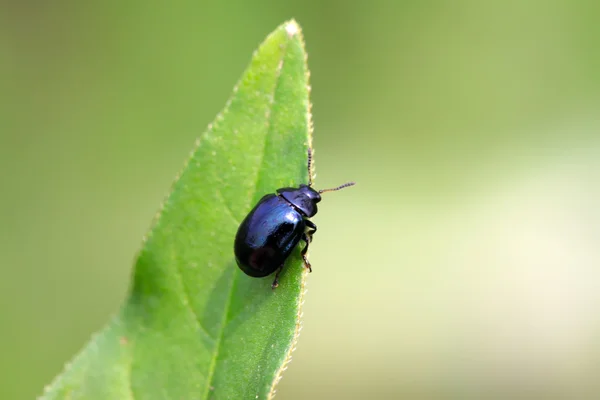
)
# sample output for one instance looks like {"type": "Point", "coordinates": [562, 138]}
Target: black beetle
{"type": "Point", "coordinates": [267, 236]}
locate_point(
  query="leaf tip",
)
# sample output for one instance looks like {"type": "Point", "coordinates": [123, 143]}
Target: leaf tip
{"type": "Point", "coordinates": [292, 28]}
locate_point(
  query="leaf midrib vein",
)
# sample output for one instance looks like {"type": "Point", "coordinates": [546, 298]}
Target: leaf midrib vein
{"type": "Point", "coordinates": [219, 340]}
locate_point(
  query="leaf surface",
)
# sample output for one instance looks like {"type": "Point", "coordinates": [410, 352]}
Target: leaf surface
{"type": "Point", "coordinates": [194, 326]}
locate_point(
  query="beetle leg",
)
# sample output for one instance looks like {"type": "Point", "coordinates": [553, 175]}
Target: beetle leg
{"type": "Point", "coordinates": [306, 237]}
{"type": "Point", "coordinates": [276, 281]}
{"type": "Point", "coordinates": [311, 229]}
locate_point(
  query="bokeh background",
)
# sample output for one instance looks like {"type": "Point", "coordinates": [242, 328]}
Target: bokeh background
{"type": "Point", "coordinates": [465, 264]}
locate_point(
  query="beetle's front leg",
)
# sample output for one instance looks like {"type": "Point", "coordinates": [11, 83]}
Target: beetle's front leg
{"type": "Point", "coordinates": [311, 228]}
{"type": "Point", "coordinates": [306, 237]}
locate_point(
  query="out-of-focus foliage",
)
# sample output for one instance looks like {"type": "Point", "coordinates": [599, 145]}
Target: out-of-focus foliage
{"type": "Point", "coordinates": [463, 265]}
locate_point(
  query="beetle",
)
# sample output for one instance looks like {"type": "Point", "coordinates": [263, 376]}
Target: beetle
{"type": "Point", "coordinates": [275, 226]}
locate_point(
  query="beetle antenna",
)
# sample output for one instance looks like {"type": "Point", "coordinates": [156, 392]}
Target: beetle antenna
{"type": "Point", "coordinates": [310, 182]}
{"type": "Point", "coordinates": [345, 185]}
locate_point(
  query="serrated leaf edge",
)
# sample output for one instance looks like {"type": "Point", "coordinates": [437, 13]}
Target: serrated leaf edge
{"type": "Point", "coordinates": [292, 29]}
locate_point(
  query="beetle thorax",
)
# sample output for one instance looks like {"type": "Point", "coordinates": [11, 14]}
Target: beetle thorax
{"type": "Point", "coordinates": [304, 199]}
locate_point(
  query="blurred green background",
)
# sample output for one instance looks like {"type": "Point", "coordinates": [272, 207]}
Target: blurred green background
{"type": "Point", "coordinates": [464, 264]}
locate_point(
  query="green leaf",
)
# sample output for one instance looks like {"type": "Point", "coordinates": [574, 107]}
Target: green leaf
{"type": "Point", "coordinates": [194, 326]}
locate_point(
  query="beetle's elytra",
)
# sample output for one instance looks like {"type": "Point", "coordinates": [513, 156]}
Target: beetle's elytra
{"type": "Point", "coordinates": [275, 226]}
